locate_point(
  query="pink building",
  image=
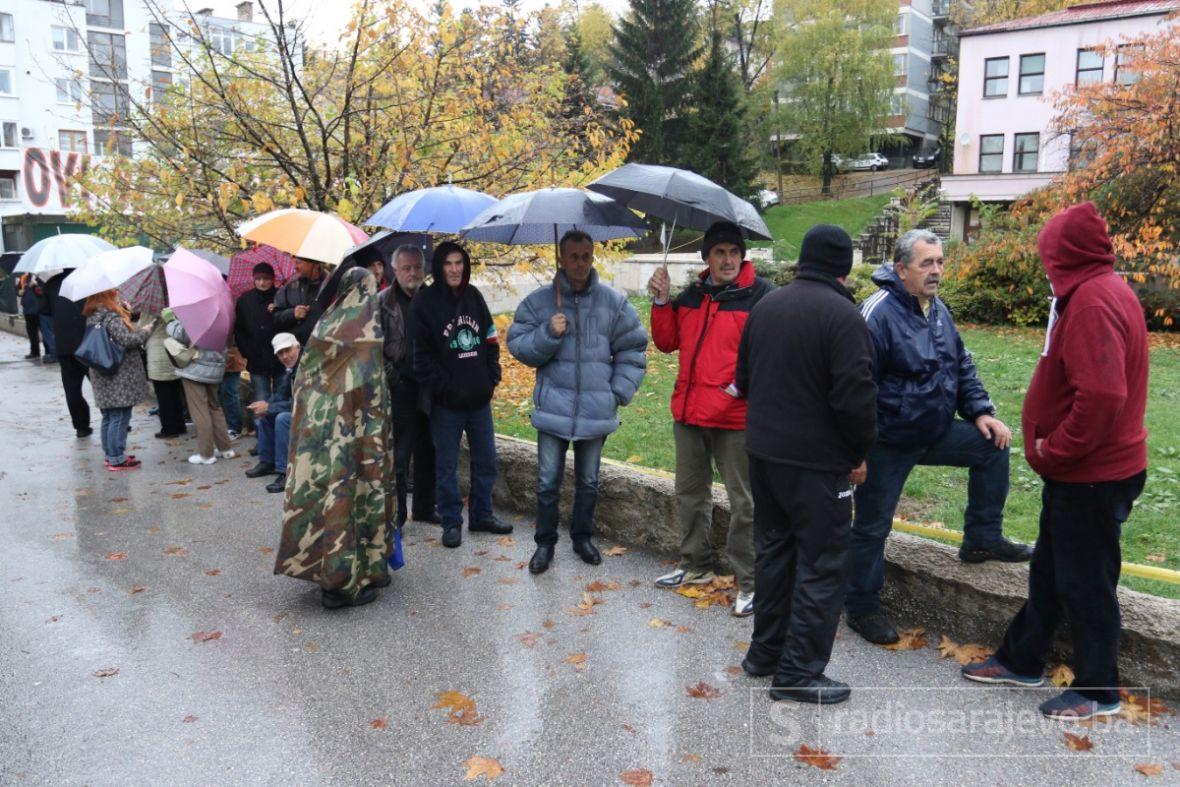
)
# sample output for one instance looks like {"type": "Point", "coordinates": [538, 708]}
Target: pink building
{"type": "Point", "coordinates": [1008, 75]}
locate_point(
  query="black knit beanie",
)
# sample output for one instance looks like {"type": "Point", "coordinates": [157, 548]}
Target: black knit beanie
{"type": "Point", "coordinates": [722, 232]}
{"type": "Point", "coordinates": [827, 249]}
{"type": "Point", "coordinates": [263, 269]}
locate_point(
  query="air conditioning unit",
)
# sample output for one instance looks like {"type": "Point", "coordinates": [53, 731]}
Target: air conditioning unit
{"type": "Point", "coordinates": [26, 133]}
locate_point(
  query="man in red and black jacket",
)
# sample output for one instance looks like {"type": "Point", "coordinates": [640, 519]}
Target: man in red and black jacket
{"type": "Point", "coordinates": [705, 324]}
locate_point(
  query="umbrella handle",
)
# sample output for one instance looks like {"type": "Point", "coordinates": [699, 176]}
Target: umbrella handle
{"type": "Point", "coordinates": [668, 239]}
{"type": "Point", "coordinates": [557, 258]}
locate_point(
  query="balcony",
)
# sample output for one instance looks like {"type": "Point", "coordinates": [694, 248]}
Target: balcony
{"type": "Point", "coordinates": [940, 9]}
{"type": "Point", "coordinates": [944, 47]}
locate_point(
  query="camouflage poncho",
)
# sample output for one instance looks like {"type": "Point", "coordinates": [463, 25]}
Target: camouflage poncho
{"type": "Point", "coordinates": [337, 514]}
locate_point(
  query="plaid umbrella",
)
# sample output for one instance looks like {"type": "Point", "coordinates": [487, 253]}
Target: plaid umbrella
{"type": "Point", "coordinates": [241, 267]}
{"type": "Point", "coordinates": [145, 291]}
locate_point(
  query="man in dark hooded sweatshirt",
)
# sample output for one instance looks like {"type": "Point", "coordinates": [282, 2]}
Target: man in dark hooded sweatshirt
{"type": "Point", "coordinates": [457, 359]}
{"type": "Point", "coordinates": [1084, 435]}
{"type": "Point", "coordinates": [805, 364]}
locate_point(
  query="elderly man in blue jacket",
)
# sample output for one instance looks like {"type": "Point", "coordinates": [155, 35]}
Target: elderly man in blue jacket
{"type": "Point", "coordinates": [924, 376]}
{"type": "Point", "coordinates": [589, 349]}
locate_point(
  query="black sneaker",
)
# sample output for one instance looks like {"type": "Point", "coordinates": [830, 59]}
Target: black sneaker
{"type": "Point", "coordinates": [85, 432]}
{"type": "Point", "coordinates": [278, 485]}
{"type": "Point", "coordinates": [260, 469]}
{"type": "Point", "coordinates": [821, 690]}
{"type": "Point", "coordinates": [492, 525]}
{"type": "Point", "coordinates": [1003, 550]}
{"type": "Point", "coordinates": [452, 536]}
{"type": "Point", "coordinates": [875, 628]}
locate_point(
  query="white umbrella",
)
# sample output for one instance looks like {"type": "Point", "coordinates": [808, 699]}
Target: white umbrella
{"type": "Point", "coordinates": [106, 272]}
{"type": "Point", "coordinates": [61, 252]}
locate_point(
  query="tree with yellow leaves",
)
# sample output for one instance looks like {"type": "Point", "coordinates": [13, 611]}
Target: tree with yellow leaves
{"type": "Point", "coordinates": [404, 100]}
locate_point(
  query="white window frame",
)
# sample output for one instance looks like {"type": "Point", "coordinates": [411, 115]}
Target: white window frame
{"type": "Point", "coordinates": [15, 191]}
{"type": "Point", "coordinates": [68, 35]}
{"type": "Point", "coordinates": [220, 38]}
{"type": "Point", "coordinates": [11, 39]}
{"type": "Point", "coordinates": [72, 90]}
{"type": "Point", "coordinates": [15, 134]}
{"type": "Point", "coordinates": [11, 80]}
{"type": "Point", "coordinates": [85, 140]}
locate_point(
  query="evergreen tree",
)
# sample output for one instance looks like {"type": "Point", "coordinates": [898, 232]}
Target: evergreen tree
{"type": "Point", "coordinates": [579, 89]}
{"type": "Point", "coordinates": [655, 48]}
{"type": "Point", "coordinates": [717, 144]}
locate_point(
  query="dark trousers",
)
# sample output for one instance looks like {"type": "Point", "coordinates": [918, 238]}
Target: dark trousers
{"type": "Point", "coordinates": [412, 440]}
{"type": "Point", "coordinates": [170, 401]}
{"type": "Point", "coordinates": [1074, 574]}
{"type": "Point", "coordinates": [876, 501]}
{"type": "Point", "coordinates": [73, 372]}
{"type": "Point", "coordinates": [33, 331]}
{"type": "Point", "coordinates": [802, 520]}
{"type": "Point", "coordinates": [447, 427]}
{"type": "Point", "coordinates": [551, 452]}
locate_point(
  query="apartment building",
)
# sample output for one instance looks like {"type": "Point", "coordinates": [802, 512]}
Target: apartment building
{"type": "Point", "coordinates": [1009, 73]}
{"type": "Point", "coordinates": [67, 68]}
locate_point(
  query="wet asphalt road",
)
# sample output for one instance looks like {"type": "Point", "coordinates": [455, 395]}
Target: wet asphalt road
{"type": "Point", "coordinates": [288, 693]}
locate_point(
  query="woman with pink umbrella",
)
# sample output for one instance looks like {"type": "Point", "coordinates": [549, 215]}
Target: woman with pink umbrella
{"type": "Point", "coordinates": [201, 319]}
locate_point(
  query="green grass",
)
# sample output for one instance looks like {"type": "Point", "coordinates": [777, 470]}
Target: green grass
{"type": "Point", "coordinates": [789, 223]}
{"type": "Point", "coordinates": [1005, 358]}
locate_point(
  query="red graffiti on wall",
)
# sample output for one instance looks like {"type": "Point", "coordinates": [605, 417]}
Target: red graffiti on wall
{"type": "Point", "coordinates": [43, 172]}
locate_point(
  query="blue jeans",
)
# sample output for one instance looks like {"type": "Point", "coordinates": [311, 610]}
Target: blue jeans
{"type": "Point", "coordinates": [231, 402]}
{"type": "Point", "coordinates": [274, 438]}
{"type": "Point", "coordinates": [876, 500]}
{"type": "Point", "coordinates": [550, 472]}
{"type": "Point", "coordinates": [114, 433]}
{"type": "Point", "coordinates": [48, 336]}
{"type": "Point", "coordinates": [446, 427]}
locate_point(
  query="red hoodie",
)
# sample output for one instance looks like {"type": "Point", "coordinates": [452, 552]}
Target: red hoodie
{"type": "Point", "coordinates": [1088, 394]}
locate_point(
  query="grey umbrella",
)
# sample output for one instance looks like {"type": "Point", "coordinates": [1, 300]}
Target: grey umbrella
{"type": "Point", "coordinates": [680, 198]}
{"type": "Point", "coordinates": [218, 262]}
{"type": "Point", "coordinates": [543, 216]}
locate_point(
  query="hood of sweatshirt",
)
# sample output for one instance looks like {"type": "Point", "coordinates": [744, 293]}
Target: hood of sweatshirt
{"type": "Point", "coordinates": [1075, 246]}
{"type": "Point", "coordinates": [436, 269]}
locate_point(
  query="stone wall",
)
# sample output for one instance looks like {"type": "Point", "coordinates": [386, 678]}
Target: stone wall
{"type": "Point", "coordinates": [926, 583]}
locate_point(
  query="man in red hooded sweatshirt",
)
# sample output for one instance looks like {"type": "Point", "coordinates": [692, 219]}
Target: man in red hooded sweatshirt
{"type": "Point", "coordinates": [1084, 435]}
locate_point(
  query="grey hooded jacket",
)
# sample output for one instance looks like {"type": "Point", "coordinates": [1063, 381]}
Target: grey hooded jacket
{"type": "Point", "coordinates": [207, 367]}
{"type": "Point", "coordinates": [586, 373]}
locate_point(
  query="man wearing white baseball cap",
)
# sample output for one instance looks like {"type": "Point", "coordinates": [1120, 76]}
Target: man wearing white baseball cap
{"type": "Point", "coordinates": [273, 417]}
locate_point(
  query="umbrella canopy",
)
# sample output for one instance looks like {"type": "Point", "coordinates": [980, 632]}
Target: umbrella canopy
{"type": "Point", "coordinates": [200, 299]}
{"type": "Point", "coordinates": [543, 216]}
{"type": "Point", "coordinates": [304, 233]}
{"type": "Point", "coordinates": [106, 271]}
{"type": "Point", "coordinates": [445, 209]}
{"type": "Point", "coordinates": [145, 292]}
{"type": "Point", "coordinates": [218, 262]}
{"type": "Point", "coordinates": [8, 260]}
{"type": "Point", "coordinates": [679, 197]}
{"type": "Point", "coordinates": [241, 267]}
{"type": "Point", "coordinates": [61, 252]}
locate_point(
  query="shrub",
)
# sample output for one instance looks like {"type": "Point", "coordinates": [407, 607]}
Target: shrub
{"type": "Point", "coordinates": [858, 283]}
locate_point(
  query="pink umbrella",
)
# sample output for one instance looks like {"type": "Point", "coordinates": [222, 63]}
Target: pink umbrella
{"type": "Point", "coordinates": [200, 299]}
{"type": "Point", "coordinates": [241, 267]}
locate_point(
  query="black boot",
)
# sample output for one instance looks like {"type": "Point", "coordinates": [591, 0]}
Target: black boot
{"type": "Point", "coordinates": [260, 469]}
{"type": "Point", "coordinates": [334, 600]}
{"type": "Point", "coordinates": [452, 536]}
{"type": "Point", "coordinates": [1003, 550]}
{"type": "Point", "coordinates": [588, 552]}
{"type": "Point", "coordinates": [492, 525]}
{"type": "Point", "coordinates": [874, 627]}
{"type": "Point", "coordinates": [277, 485]}
{"type": "Point", "coordinates": [541, 559]}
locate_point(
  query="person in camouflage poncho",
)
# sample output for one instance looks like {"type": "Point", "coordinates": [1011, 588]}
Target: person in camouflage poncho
{"type": "Point", "coordinates": [337, 513]}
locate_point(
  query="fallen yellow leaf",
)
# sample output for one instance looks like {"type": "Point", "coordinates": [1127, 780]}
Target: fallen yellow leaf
{"type": "Point", "coordinates": [486, 767]}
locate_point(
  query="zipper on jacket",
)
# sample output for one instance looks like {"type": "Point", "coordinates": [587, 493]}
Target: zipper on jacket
{"type": "Point", "coordinates": [695, 355]}
{"type": "Point", "coordinates": [577, 366]}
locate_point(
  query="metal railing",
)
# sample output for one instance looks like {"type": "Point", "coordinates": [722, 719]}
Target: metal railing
{"type": "Point", "coordinates": [844, 187]}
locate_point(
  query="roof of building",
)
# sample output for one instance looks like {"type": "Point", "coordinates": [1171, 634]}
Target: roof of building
{"type": "Point", "coordinates": [1081, 14]}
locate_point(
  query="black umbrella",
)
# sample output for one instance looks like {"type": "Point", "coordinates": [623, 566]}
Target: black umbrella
{"type": "Point", "coordinates": [9, 259]}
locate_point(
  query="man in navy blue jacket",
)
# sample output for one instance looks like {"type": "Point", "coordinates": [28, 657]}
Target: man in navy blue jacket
{"type": "Point", "coordinates": [273, 416]}
{"type": "Point", "coordinates": [924, 376]}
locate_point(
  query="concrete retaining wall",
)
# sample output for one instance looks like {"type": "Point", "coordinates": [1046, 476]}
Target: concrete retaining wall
{"type": "Point", "coordinates": [14, 324]}
{"type": "Point", "coordinates": [926, 583]}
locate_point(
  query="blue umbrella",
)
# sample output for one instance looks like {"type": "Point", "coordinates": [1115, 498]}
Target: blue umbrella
{"type": "Point", "coordinates": [444, 209]}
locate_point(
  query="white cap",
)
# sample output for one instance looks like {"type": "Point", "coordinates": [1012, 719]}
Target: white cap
{"type": "Point", "coordinates": [282, 341]}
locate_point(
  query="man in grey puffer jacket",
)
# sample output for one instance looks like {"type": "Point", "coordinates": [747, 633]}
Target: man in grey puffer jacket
{"type": "Point", "coordinates": [589, 349]}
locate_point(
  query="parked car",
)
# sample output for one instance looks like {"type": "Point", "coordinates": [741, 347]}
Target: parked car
{"type": "Point", "coordinates": [869, 162]}
{"type": "Point", "coordinates": [931, 158]}
{"type": "Point", "coordinates": [767, 198]}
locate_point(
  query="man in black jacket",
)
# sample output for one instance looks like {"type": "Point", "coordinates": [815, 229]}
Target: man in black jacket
{"type": "Point", "coordinates": [411, 422]}
{"type": "Point", "coordinates": [805, 364]}
{"type": "Point", "coordinates": [254, 328]}
{"type": "Point", "coordinates": [296, 308]}
{"type": "Point", "coordinates": [457, 359]}
{"type": "Point", "coordinates": [69, 326]}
